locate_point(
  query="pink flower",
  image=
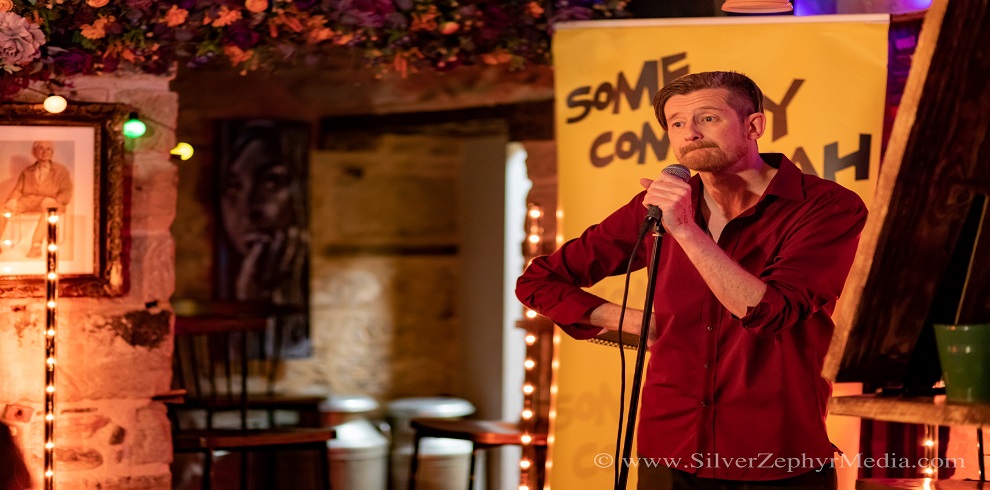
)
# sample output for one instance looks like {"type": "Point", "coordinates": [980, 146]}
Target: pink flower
{"type": "Point", "coordinates": [20, 41]}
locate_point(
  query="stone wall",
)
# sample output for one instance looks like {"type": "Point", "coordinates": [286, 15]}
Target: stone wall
{"type": "Point", "coordinates": [385, 217]}
{"type": "Point", "coordinates": [114, 354]}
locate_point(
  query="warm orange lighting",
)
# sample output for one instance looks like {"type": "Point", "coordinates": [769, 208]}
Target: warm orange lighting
{"type": "Point", "coordinates": [524, 464]}
{"type": "Point", "coordinates": [530, 314]}
{"type": "Point", "coordinates": [535, 213]}
{"type": "Point", "coordinates": [534, 239]}
{"type": "Point", "coordinates": [528, 389]}
{"type": "Point", "coordinates": [526, 439]}
{"type": "Point", "coordinates": [52, 247]}
{"type": "Point", "coordinates": [51, 305]}
{"type": "Point", "coordinates": [530, 339]}
{"type": "Point", "coordinates": [53, 218]}
{"type": "Point", "coordinates": [527, 414]}
{"type": "Point", "coordinates": [929, 443]}
{"type": "Point", "coordinates": [529, 364]}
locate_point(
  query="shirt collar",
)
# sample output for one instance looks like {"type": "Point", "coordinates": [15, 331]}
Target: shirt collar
{"type": "Point", "coordinates": [787, 183]}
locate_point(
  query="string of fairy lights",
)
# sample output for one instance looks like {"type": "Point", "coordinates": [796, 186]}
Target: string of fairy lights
{"type": "Point", "coordinates": [51, 307]}
{"type": "Point", "coordinates": [529, 463]}
{"type": "Point", "coordinates": [133, 127]}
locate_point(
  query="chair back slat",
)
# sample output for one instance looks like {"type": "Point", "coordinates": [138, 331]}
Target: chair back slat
{"type": "Point", "coordinates": [214, 345]}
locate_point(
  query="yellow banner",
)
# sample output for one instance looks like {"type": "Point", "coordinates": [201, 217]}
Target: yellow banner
{"type": "Point", "coordinates": [824, 82]}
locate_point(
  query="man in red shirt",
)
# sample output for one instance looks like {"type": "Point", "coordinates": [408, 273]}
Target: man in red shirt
{"type": "Point", "coordinates": [755, 256]}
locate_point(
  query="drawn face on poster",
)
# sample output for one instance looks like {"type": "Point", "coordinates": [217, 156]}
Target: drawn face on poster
{"type": "Point", "coordinates": [264, 247]}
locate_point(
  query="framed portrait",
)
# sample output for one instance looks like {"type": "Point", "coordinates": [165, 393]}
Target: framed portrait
{"type": "Point", "coordinates": [72, 162]}
{"type": "Point", "coordinates": [262, 209]}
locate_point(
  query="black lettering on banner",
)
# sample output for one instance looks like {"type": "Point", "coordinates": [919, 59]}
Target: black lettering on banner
{"type": "Point", "coordinates": [671, 75]}
{"type": "Point", "coordinates": [859, 159]}
{"type": "Point", "coordinates": [646, 85]}
{"type": "Point", "coordinates": [800, 158]}
{"type": "Point", "coordinates": [629, 144]}
{"type": "Point", "coordinates": [779, 111]}
{"type": "Point", "coordinates": [573, 100]}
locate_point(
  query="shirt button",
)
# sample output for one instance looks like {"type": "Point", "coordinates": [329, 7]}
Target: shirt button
{"type": "Point", "coordinates": [707, 365]}
{"type": "Point", "coordinates": [710, 328]}
{"type": "Point", "coordinates": [704, 404]}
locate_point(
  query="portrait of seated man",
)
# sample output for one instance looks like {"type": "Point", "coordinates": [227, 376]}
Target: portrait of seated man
{"type": "Point", "coordinates": [42, 185]}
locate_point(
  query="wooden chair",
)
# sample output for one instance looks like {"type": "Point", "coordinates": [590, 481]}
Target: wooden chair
{"type": "Point", "coordinates": [217, 349]}
{"type": "Point", "coordinates": [483, 434]}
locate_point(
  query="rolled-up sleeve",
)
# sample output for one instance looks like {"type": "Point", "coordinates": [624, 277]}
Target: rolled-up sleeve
{"type": "Point", "coordinates": [553, 284]}
{"type": "Point", "coordinates": [811, 267]}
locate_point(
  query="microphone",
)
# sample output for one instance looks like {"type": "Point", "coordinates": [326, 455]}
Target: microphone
{"type": "Point", "coordinates": [677, 170]}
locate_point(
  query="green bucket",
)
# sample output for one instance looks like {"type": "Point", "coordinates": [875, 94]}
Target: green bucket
{"type": "Point", "coordinates": [964, 352]}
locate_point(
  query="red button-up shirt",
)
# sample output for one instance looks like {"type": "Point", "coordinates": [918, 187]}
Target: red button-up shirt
{"type": "Point", "coordinates": [719, 388]}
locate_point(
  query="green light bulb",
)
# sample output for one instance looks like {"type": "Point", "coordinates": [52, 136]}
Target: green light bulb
{"type": "Point", "coordinates": [134, 128]}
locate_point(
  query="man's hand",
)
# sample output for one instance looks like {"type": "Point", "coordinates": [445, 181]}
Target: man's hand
{"type": "Point", "coordinates": [673, 196]}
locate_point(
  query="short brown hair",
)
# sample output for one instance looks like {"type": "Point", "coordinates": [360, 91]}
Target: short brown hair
{"type": "Point", "coordinates": [744, 96]}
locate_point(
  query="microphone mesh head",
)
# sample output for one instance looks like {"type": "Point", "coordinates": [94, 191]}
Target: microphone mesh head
{"type": "Point", "coordinates": [678, 170]}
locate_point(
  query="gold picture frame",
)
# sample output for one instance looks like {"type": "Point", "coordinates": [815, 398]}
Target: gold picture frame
{"type": "Point", "coordinates": [83, 150]}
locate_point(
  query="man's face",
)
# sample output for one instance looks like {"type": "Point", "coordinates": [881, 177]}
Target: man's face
{"type": "Point", "coordinates": [705, 131]}
{"type": "Point", "coordinates": [43, 150]}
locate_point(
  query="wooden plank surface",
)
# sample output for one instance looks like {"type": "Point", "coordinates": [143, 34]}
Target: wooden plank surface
{"type": "Point", "coordinates": [911, 410]}
{"type": "Point", "coordinates": [935, 167]}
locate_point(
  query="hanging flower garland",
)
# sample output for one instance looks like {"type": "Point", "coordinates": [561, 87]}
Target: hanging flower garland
{"type": "Point", "coordinates": [50, 40]}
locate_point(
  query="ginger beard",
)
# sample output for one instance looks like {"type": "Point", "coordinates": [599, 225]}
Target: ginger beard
{"type": "Point", "coordinates": [709, 156]}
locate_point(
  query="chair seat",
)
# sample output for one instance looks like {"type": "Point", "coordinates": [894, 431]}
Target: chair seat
{"type": "Point", "coordinates": [218, 439]}
{"type": "Point", "coordinates": [481, 432]}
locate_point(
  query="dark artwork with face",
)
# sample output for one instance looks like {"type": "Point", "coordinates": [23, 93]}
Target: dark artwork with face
{"type": "Point", "coordinates": [263, 237]}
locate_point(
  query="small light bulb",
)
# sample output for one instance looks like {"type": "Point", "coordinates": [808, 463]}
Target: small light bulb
{"type": "Point", "coordinates": [535, 213]}
{"type": "Point", "coordinates": [524, 464]}
{"type": "Point", "coordinates": [182, 150]}
{"type": "Point", "coordinates": [49, 445]}
{"type": "Point", "coordinates": [523, 487]}
{"type": "Point", "coordinates": [50, 389]}
{"type": "Point", "coordinates": [530, 314]}
{"type": "Point", "coordinates": [929, 442]}
{"type": "Point", "coordinates": [529, 364]}
{"type": "Point", "coordinates": [530, 339]}
{"type": "Point", "coordinates": [52, 247]}
{"type": "Point", "coordinates": [48, 474]}
{"type": "Point", "coordinates": [534, 239]}
{"type": "Point", "coordinates": [928, 471]}
{"type": "Point", "coordinates": [134, 127]}
{"type": "Point", "coordinates": [6, 215]}
{"type": "Point", "coordinates": [8, 243]}
{"type": "Point", "coordinates": [51, 305]}
{"type": "Point", "coordinates": [527, 414]}
{"type": "Point", "coordinates": [50, 360]}
{"type": "Point", "coordinates": [49, 417]}
{"type": "Point", "coordinates": [526, 439]}
{"type": "Point", "coordinates": [51, 332]}
{"type": "Point", "coordinates": [53, 218]}
{"type": "Point", "coordinates": [55, 104]}
{"type": "Point", "coordinates": [528, 389]}
{"type": "Point", "coordinates": [52, 276]}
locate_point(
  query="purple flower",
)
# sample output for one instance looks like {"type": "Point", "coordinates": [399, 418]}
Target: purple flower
{"type": "Point", "coordinates": [240, 35]}
{"type": "Point", "coordinates": [20, 41]}
{"type": "Point", "coordinates": [140, 4]}
{"type": "Point", "coordinates": [110, 63]}
{"type": "Point", "coordinates": [365, 13]}
{"type": "Point", "coordinates": [73, 61]}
